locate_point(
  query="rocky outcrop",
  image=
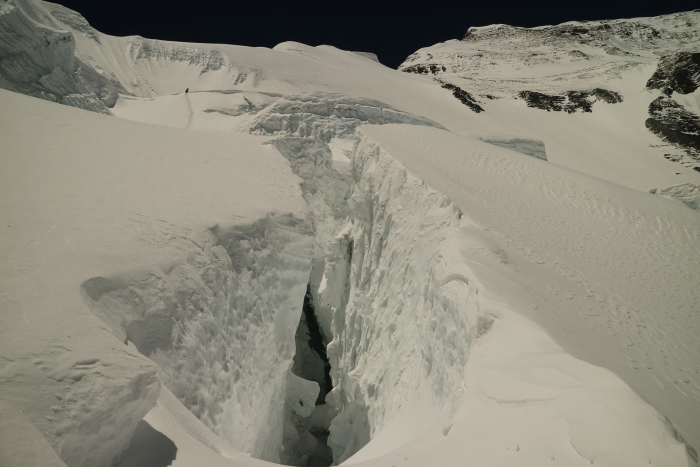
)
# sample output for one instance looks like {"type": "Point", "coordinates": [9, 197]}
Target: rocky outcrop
{"type": "Point", "coordinates": [464, 97]}
{"type": "Point", "coordinates": [676, 125]}
{"type": "Point", "coordinates": [570, 101]}
{"type": "Point", "coordinates": [679, 72]}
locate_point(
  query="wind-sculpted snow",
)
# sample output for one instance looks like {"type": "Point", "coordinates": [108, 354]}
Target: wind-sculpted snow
{"type": "Point", "coordinates": [324, 116]}
{"type": "Point", "coordinates": [216, 309]}
{"type": "Point", "coordinates": [465, 290]}
{"type": "Point", "coordinates": [37, 58]}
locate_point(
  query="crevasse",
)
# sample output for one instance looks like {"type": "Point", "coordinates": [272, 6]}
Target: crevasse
{"type": "Point", "coordinates": [221, 325]}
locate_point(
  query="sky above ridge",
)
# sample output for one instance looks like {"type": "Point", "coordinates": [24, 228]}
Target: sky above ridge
{"type": "Point", "coordinates": [392, 30]}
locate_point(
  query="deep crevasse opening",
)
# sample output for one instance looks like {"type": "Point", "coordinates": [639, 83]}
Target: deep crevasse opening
{"type": "Point", "coordinates": [362, 276]}
{"type": "Point", "coordinates": [307, 416]}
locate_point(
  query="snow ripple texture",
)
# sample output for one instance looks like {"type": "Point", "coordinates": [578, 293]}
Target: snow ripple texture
{"type": "Point", "coordinates": [238, 294]}
{"type": "Point", "coordinates": [400, 325]}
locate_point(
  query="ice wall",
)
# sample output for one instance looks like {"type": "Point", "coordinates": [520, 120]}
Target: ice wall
{"type": "Point", "coordinates": [324, 116]}
{"type": "Point", "coordinates": [221, 324]}
{"type": "Point", "coordinates": [401, 325]}
{"type": "Point", "coordinates": [37, 59]}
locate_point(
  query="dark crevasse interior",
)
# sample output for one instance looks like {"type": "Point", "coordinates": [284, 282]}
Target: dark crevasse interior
{"type": "Point", "coordinates": [148, 447]}
{"type": "Point", "coordinates": [317, 342]}
{"type": "Point", "coordinates": [307, 446]}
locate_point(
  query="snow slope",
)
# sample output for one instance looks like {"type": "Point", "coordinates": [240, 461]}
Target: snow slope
{"type": "Point", "coordinates": [130, 238]}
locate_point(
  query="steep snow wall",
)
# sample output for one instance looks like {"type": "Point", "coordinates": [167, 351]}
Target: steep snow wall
{"type": "Point", "coordinates": [400, 327]}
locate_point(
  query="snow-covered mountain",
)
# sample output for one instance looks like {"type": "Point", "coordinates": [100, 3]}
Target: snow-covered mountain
{"type": "Point", "coordinates": [572, 66]}
{"type": "Point", "coordinates": [310, 258]}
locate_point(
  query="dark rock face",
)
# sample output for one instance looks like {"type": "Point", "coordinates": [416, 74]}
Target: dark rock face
{"type": "Point", "coordinates": [428, 69]}
{"type": "Point", "coordinates": [679, 72]}
{"type": "Point", "coordinates": [578, 54]}
{"type": "Point", "coordinates": [463, 96]}
{"type": "Point", "coordinates": [570, 101]}
{"type": "Point", "coordinates": [671, 122]}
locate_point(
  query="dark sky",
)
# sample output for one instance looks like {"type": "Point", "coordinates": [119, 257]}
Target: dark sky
{"type": "Point", "coordinates": [392, 30]}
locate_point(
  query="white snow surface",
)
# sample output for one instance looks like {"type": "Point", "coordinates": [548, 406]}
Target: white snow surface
{"type": "Point", "coordinates": [480, 304]}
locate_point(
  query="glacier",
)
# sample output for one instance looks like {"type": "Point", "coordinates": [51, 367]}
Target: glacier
{"type": "Point", "coordinates": [311, 259]}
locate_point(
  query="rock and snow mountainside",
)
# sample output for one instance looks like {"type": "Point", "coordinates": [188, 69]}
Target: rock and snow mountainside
{"type": "Point", "coordinates": [491, 264]}
{"type": "Point", "coordinates": [581, 67]}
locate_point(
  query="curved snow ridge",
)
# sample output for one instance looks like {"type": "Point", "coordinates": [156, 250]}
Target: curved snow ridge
{"type": "Point", "coordinates": [427, 304]}
{"type": "Point", "coordinates": [325, 115]}
{"type": "Point", "coordinates": [238, 293]}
